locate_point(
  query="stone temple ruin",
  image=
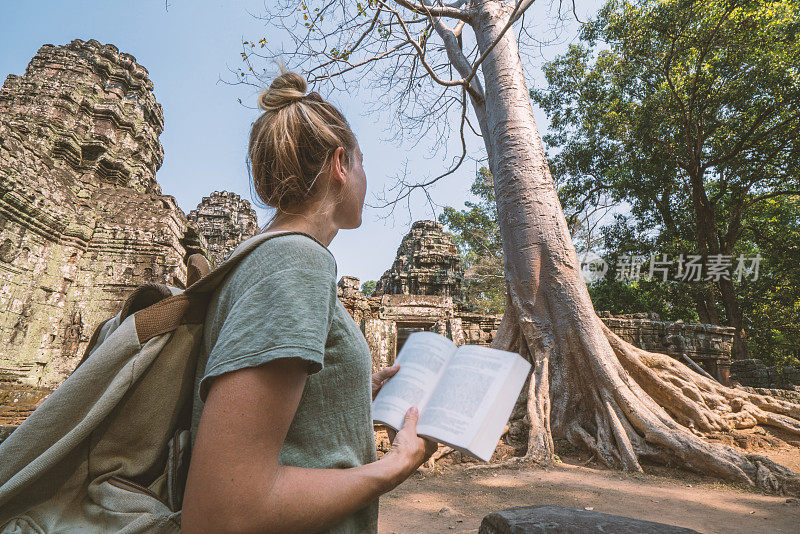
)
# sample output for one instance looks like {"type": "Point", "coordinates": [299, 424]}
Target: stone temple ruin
{"type": "Point", "coordinates": [421, 291]}
{"type": "Point", "coordinates": [427, 263]}
{"type": "Point", "coordinates": [708, 345]}
{"type": "Point", "coordinates": [82, 218]}
{"type": "Point", "coordinates": [225, 219]}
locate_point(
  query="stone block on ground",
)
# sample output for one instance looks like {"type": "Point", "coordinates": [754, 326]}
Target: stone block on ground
{"type": "Point", "coordinates": [559, 519]}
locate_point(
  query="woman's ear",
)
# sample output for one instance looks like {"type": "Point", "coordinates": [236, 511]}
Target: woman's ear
{"type": "Point", "coordinates": [339, 166]}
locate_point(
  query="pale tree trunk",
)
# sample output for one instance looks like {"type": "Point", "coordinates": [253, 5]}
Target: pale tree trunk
{"type": "Point", "coordinates": [587, 385]}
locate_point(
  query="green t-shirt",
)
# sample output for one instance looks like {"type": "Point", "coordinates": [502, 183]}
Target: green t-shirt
{"type": "Point", "coordinates": [281, 302]}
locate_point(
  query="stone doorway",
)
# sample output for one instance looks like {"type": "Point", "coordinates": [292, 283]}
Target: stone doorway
{"type": "Point", "coordinates": [406, 328]}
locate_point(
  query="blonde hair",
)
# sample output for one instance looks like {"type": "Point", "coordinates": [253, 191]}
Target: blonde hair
{"type": "Point", "coordinates": [292, 142]}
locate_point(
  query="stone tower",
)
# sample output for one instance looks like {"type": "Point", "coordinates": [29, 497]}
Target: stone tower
{"type": "Point", "coordinates": [82, 218]}
{"type": "Point", "coordinates": [427, 263]}
{"type": "Point", "coordinates": [225, 220]}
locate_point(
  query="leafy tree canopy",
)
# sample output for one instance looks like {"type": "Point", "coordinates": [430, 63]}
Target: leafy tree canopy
{"type": "Point", "coordinates": [368, 287]}
{"type": "Point", "coordinates": [688, 112]}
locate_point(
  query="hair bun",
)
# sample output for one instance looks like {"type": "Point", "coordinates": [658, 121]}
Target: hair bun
{"type": "Point", "coordinates": [289, 150]}
{"type": "Point", "coordinates": [287, 88]}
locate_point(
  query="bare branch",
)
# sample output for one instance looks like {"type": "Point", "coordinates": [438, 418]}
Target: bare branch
{"type": "Point", "coordinates": [452, 45]}
{"type": "Point", "coordinates": [441, 11]}
{"type": "Point", "coordinates": [420, 52]}
{"type": "Point", "coordinates": [406, 189]}
{"type": "Point", "coordinates": [398, 53]}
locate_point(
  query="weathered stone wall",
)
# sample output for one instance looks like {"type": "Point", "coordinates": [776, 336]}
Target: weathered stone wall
{"type": "Point", "coordinates": [479, 329]}
{"type": "Point", "coordinates": [755, 373]}
{"type": "Point", "coordinates": [18, 401]}
{"type": "Point", "coordinates": [707, 345]}
{"type": "Point", "coordinates": [788, 393]}
{"type": "Point", "coordinates": [225, 219]}
{"type": "Point", "coordinates": [82, 218]}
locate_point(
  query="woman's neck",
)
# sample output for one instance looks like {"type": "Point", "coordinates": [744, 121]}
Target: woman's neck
{"type": "Point", "coordinates": [323, 229]}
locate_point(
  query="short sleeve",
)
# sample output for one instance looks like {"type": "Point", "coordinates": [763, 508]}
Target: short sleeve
{"type": "Point", "coordinates": [285, 314]}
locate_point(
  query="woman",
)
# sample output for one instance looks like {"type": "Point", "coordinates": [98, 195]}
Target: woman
{"type": "Point", "coordinates": [282, 430]}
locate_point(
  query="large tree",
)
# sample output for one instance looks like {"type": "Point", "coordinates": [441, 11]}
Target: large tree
{"type": "Point", "coordinates": [689, 111]}
{"type": "Point", "coordinates": [430, 61]}
{"type": "Point", "coordinates": [769, 300]}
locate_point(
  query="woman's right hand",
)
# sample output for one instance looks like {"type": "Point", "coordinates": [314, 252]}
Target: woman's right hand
{"type": "Point", "coordinates": [408, 449]}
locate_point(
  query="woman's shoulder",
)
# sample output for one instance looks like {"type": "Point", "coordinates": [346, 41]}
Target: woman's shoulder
{"type": "Point", "coordinates": [289, 251]}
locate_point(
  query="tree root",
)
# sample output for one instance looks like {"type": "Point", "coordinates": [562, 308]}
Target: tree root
{"type": "Point", "coordinates": [629, 404]}
{"type": "Point", "coordinates": [696, 405]}
{"type": "Point", "coordinates": [515, 462]}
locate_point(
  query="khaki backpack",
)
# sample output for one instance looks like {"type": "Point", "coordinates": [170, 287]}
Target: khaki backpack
{"type": "Point", "coordinates": [108, 450]}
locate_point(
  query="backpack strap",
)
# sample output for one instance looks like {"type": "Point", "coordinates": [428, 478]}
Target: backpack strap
{"type": "Point", "coordinates": [189, 306]}
{"type": "Point", "coordinates": [196, 268]}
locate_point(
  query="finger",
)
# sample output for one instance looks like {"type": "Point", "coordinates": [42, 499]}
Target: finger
{"type": "Point", "coordinates": [382, 373]}
{"type": "Point", "coordinates": [410, 420]}
{"type": "Point", "coordinates": [388, 372]}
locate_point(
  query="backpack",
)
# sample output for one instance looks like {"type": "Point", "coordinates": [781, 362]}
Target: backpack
{"type": "Point", "coordinates": [108, 450]}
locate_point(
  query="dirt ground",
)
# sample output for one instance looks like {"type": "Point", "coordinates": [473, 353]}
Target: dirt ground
{"type": "Point", "coordinates": [454, 498]}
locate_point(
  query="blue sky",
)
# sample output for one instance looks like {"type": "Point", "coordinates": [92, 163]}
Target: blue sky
{"type": "Point", "coordinates": [187, 48]}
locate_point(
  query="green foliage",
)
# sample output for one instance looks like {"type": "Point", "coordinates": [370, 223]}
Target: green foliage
{"type": "Point", "coordinates": [683, 88]}
{"type": "Point", "coordinates": [689, 113]}
{"type": "Point", "coordinates": [772, 302]}
{"type": "Point", "coordinates": [477, 234]}
{"type": "Point", "coordinates": [670, 300]}
{"type": "Point", "coordinates": [368, 287]}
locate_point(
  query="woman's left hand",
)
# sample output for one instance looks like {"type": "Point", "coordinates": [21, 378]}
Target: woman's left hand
{"type": "Point", "coordinates": [380, 378]}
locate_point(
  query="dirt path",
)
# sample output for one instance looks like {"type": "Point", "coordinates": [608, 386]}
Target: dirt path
{"type": "Point", "coordinates": [453, 499]}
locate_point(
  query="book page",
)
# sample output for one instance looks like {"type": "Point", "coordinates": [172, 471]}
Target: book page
{"type": "Point", "coordinates": [472, 382]}
{"type": "Point", "coordinates": [423, 359]}
{"type": "Point", "coordinates": [488, 435]}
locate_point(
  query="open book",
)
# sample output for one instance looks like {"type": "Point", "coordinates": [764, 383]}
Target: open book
{"type": "Point", "coordinates": [464, 394]}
